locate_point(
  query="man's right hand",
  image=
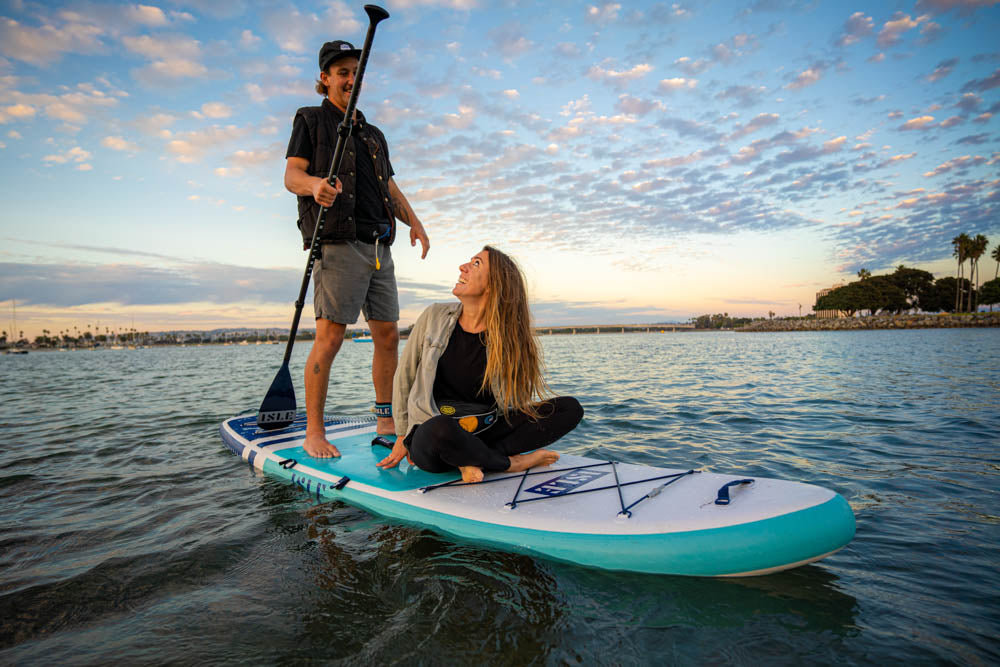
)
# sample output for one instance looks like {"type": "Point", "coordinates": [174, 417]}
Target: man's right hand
{"type": "Point", "coordinates": [324, 193]}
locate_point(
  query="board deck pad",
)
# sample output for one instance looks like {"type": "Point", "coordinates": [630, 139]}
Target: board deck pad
{"type": "Point", "coordinates": [612, 515]}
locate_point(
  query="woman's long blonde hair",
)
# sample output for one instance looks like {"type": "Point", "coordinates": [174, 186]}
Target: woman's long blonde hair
{"type": "Point", "coordinates": [513, 356]}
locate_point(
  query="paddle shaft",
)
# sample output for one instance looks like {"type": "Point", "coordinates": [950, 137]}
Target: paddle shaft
{"type": "Point", "coordinates": [375, 14]}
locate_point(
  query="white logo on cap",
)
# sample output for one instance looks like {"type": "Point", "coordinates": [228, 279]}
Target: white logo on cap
{"type": "Point", "coordinates": [345, 47]}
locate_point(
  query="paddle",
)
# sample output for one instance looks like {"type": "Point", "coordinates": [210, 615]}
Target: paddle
{"type": "Point", "coordinates": [277, 410]}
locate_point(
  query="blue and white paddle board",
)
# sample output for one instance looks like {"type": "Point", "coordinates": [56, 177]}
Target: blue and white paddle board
{"type": "Point", "coordinates": [617, 516]}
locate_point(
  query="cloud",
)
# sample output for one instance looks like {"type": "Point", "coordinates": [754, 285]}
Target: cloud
{"type": "Point", "coordinates": [679, 160]}
{"type": "Point", "coordinates": [215, 110]}
{"type": "Point", "coordinates": [510, 41]}
{"type": "Point", "coordinates": [745, 96]}
{"type": "Point", "coordinates": [45, 46]}
{"type": "Point", "coordinates": [689, 128]}
{"type": "Point", "coordinates": [174, 57]}
{"type": "Point", "coordinates": [76, 106]}
{"type": "Point", "coordinates": [930, 32]}
{"type": "Point", "coordinates": [75, 154]}
{"type": "Point", "coordinates": [943, 69]}
{"type": "Point", "coordinates": [898, 158]}
{"type": "Point", "coordinates": [606, 13]}
{"type": "Point", "coordinates": [806, 77]}
{"type": "Point", "coordinates": [248, 40]}
{"type": "Point", "coordinates": [692, 67]}
{"type": "Point", "coordinates": [834, 145]}
{"type": "Point", "coordinates": [919, 123]}
{"type": "Point", "coordinates": [678, 83]}
{"type": "Point", "coordinates": [174, 68]}
{"type": "Point", "coordinates": [118, 144]}
{"type": "Point", "coordinates": [163, 47]}
{"type": "Point", "coordinates": [635, 106]}
{"type": "Point", "coordinates": [459, 5]}
{"type": "Point", "coordinates": [129, 285]}
{"type": "Point", "coordinates": [567, 50]}
{"type": "Point", "coordinates": [969, 102]}
{"type": "Point", "coordinates": [618, 78]}
{"type": "Point", "coordinates": [155, 124]}
{"type": "Point", "coordinates": [192, 146]}
{"type": "Point", "coordinates": [974, 139]}
{"type": "Point", "coordinates": [856, 27]}
{"type": "Point", "coordinates": [300, 33]}
{"type": "Point", "coordinates": [19, 111]}
{"type": "Point", "coordinates": [982, 85]}
{"type": "Point", "coordinates": [892, 31]}
{"type": "Point", "coordinates": [753, 125]}
{"type": "Point", "coordinates": [962, 7]}
{"type": "Point", "coordinates": [146, 15]}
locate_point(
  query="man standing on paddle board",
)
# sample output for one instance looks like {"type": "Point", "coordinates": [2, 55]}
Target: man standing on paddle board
{"type": "Point", "coordinates": [355, 273]}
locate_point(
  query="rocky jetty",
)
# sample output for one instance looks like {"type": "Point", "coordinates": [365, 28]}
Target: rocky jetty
{"type": "Point", "coordinates": [935, 321]}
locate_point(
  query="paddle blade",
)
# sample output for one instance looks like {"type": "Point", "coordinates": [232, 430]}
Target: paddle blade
{"type": "Point", "coordinates": [277, 410]}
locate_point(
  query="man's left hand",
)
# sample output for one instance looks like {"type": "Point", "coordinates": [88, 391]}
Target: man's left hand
{"type": "Point", "coordinates": [417, 233]}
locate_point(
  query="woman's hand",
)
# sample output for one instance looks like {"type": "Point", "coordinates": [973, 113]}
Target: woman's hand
{"type": "Point", "coordinates": [395, 456]}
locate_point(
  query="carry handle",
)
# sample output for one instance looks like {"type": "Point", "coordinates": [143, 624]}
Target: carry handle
{"type": "Point", "coordinates": [723, 497]}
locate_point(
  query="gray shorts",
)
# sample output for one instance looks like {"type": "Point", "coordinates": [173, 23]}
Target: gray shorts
{"type": "Point", "coordinates": [345, 283]}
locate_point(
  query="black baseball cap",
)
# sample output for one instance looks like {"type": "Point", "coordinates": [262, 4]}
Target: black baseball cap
{"type": "Point", "coordinates": [335, 50]}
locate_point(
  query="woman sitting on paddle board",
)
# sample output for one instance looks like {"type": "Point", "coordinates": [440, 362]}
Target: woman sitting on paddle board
{"type": "Point", "coordinates": [465, 393]}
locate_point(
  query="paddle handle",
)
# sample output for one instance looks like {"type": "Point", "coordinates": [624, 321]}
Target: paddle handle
{"type": "Point", "coordinates": [375, 15]}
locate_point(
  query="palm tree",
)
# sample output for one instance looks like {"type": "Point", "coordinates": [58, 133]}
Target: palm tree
{"type": "Point", "coordinates": [961, 244]}
{"type": "Point", "coordinates": [996, 256]}
{"type": "Point", "coordinates": [977, 248]}
{"type": "Point", "coordinates": [864, 274]}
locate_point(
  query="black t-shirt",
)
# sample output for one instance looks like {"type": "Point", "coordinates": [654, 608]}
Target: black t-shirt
{"type": "Point", "coordinates": [461, 369]}
{"type": "Point", "coordinates": [368, 207]}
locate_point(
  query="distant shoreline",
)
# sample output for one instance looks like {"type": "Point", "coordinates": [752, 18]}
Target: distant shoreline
{"type": "Point", "coordinates": [937, 321]}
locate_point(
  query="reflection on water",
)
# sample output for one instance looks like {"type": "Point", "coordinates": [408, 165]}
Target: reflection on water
{"type": "Point", "coordinates": [131, 534]}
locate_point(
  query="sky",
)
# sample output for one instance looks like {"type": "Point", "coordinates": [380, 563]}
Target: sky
{"type": "Point", "coordinates": [644, 162]}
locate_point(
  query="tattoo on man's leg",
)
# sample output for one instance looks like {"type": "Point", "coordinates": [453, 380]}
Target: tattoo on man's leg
{"type": "Point", "coordinates": [315, 369]}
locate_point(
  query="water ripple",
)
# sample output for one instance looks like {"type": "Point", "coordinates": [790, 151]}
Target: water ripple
{"type": "Point", "coordinates": [129, 527]}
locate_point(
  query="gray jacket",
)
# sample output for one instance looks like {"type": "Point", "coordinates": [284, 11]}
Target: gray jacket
{"type": "Point", "coordinates": [413, 386]}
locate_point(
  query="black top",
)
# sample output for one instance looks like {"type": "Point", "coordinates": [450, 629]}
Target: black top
{"type": "Point", "coordinates": [368, 207]}
{"type": "Point", "coordinates": [461, 369]}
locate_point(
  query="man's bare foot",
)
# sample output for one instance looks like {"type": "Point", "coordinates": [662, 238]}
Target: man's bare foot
{"type": "Point", "coordinates": [471, 474]}
{"type": "Point", "coordinates": [385, 426]}
{"type": "Point", "coordinates": [317, 446]}
{"type": "Point", "coordinates": [539, 457]}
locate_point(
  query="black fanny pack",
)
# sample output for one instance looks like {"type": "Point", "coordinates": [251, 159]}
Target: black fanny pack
{"type": "Point", "coordinates": [367, 232]}
{"type": "Point", "coordinates": [473, 417]}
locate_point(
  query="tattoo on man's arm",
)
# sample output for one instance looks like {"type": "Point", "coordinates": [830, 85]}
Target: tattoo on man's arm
{"type": "Point", "coordinates": [400, 208]}
{"type": "Point", "coordinates": [315, 369]}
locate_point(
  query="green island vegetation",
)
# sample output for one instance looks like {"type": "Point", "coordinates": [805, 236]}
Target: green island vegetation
{"type": "Point", "coordinates": [905, 290]}
{"type": "Point", "coordinates": [908, 289]}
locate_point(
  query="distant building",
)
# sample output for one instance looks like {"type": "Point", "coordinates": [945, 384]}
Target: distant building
{"type": "Point", "coordinates": [829, 314]}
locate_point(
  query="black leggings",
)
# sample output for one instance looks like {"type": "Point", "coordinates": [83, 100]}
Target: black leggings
{"type": "Point", "coordinates": [441, 445]}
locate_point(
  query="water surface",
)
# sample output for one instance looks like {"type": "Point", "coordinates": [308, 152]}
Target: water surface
{"type": "Point", "coordinates": [131, 534]}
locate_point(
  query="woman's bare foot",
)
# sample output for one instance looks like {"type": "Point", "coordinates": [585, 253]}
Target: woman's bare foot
{"type": "Point", "coordinates": [539, 457]}
{"type": "Point", "coordinates": [471, 474]}
{"type": "Point", "coordinates": [317, 446]}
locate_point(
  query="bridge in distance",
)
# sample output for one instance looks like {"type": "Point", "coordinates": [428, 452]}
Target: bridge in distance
{"type": "Point", "coordinates": [615, 328]}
